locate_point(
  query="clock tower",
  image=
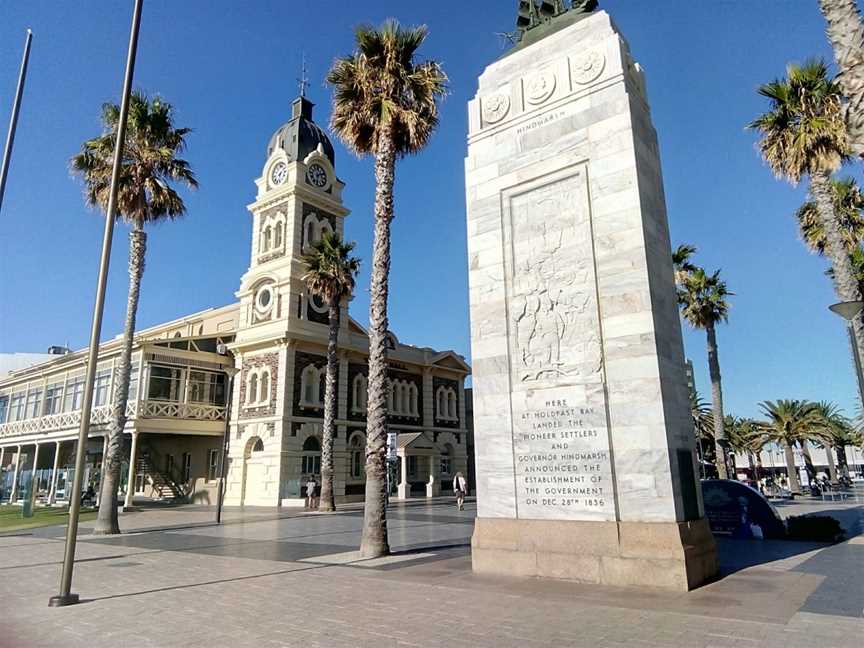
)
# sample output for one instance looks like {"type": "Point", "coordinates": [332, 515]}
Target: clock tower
{"type": "Point", "coordinates": [299, 199]}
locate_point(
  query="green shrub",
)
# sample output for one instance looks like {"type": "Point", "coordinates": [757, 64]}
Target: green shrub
{"type": "Point", "coordinates": [813, 528]}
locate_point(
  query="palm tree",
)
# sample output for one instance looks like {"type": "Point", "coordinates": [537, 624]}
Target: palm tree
{"type": "Point", "coordinates": [849, 210]}
{"type": "Point", "coordinates": [330, 273]}
{"type": "Point", "coordinates": [804, 134]}
{"type": "Point", "coordinates": [681, 262]}
{"type": "Point", "coordinates": [703, 425]}
{"type": "Point", "coordinates": [702, 298]}
{"type": "Point", "coordinates": [385, 104]}
{"type": "Point", "coordinates": [150, 163]}
{"type": "Point", "coordinates": [837, 432]}
{"type": "Point", "coordinates": [744, 437]}
{"type": "Point", "coordinates": [788, 423]}
{"type": "Point", "coordinates": [846, 33]}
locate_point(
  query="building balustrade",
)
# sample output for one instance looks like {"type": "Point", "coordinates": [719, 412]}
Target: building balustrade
{"type": "Point", "coordinates": [145, 409]}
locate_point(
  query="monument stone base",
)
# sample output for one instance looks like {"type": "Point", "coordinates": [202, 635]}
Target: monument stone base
{"type": "Point", "coordinates": [669, 555]}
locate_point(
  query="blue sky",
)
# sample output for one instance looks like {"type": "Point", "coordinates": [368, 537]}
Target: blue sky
{"type": "Point", "coordinates": [230, 69]}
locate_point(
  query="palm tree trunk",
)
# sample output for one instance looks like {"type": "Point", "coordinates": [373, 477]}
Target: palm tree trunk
{"type": "Point", "coordinates": [846, 33]}
{"type": "Point", "coordinates": [327, 502]}
{"type": "Point", "coordinates": [106, 520]}
{"type": "Point", "coordinates": [759, 469]}
{"type": "Point", "coordinates": [717, 402]}
{"type": "Point", "coordinates": [791, 469]}
{"type": "Point", "coordinates": [808, 463]}
{"type": "Point", "coordinates": [844, 276]}
{"type": "Point", "coordinates": [832, 467]}
{"type": "Point", "coordinates": [374, 541]}
{"type": "Point", "coordinates": [842, 461]}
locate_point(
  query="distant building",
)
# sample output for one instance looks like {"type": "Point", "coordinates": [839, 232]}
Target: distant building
{"type": "Point", "coordinates": [13, 361]}
{"type": "Point", "coordinates": [276, 336]}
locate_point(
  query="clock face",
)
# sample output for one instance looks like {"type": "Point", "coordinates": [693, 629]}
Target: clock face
{"type": "Point", "coordinates": [279, 173]}
{"type": "Point", "coordinates": [317, 176]}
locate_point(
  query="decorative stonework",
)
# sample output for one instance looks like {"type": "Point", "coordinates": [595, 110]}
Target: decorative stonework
{"type": "Point", "coordinates": [539, 87]}
{"type": "Point", "coordinates": [587, 67]}
{"type": "Point", "coordinates": [495, 108]}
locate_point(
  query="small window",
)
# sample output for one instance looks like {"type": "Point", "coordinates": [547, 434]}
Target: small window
{"type": "Point", "coordinates": [357, 462]}
{"type": "Point", "coordinates": [278, 236]}
{"type": "Point", "coordinates": [187, 466]}
{"type": "Point", "coordinates": [212, 464]}
{"type": "Point", "coordinates": [412, 466]}
{"type": "Point", "coordinates": [259, 446]}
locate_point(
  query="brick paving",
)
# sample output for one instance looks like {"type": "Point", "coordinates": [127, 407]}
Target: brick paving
{"type": "Point", "coordinates": [269, 579]}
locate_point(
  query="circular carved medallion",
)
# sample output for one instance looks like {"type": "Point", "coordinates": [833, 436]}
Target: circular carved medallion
{"type": "Point", "coordinates": [587, 67]}
{"type": "Point", "coordinates": [540, 87]}
{"type": "Point", "coordinates": [495, 108]}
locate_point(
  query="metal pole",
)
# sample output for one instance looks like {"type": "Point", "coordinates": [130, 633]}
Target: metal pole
{"type": "Point", "coordinates": [856, 356]}
{"type": "Point", "coordinates": [66, 597]}
{"type": "Point", "coordinates": [13, 122]}
{"type": "Point", "coordinates": [225, 441]}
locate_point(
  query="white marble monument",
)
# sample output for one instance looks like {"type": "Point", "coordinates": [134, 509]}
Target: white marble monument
{"type": "Point", "coordinates": [584, 443]}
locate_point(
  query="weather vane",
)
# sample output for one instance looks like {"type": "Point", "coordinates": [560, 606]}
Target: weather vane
{"type": "Point", "coordinates": [303, 81]}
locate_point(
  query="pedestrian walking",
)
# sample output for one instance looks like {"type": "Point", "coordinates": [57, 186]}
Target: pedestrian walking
{"type": "Point", "coordinates": [311, 493]}
{"type": "Point", "coordinates": [460, 489]}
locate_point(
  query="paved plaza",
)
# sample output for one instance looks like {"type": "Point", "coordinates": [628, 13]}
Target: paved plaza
{"type": "Point", "coordinates": [273, 579]}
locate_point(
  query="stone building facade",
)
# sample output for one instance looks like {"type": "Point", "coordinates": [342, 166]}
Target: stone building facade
{"type": "Point", "coordinates": [275, 338]}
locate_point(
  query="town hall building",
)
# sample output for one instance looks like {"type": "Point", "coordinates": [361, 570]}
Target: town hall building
{"type": "Point", "coordinates": [273, 342]}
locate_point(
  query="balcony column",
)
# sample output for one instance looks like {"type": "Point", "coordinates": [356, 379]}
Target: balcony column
{"type": "Point", "coordinates": [33, 482]}
{"type": "Point", "coordinates": [133, 464]}
{"type": "Point", "coordinates": [14, 491]}
{"type": "Point", "coordinates": [433, 488]}
{"type": "Point", "coordinates": [2, 453]}
{"type": "Point", "coordinates": [53, 488]}
{"type": "Point", "coordinates": [404, 490]}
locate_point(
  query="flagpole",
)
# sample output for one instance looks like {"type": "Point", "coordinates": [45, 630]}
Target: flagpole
{"type": "Point", "coordinates": [66, 597]}
{"type": "Point", "coordinates": [13, 122]}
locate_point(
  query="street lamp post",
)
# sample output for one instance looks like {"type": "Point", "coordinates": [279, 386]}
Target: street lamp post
{"type": "Point", "coordinates": [13, 121]}
{"type": "Point", "coordinates": [66, 597]}
{"type": "Point", "coordinates": [231, 371]}
{"type": "Point", "coordinates": [849, 311]}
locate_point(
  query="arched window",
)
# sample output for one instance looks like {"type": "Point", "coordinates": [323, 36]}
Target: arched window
{"type": "Point", "coordinates": [442, 403]}
{"type": "Point", "coordinates": [357, 461]}
{"type": "Point", "coordinates": [413, 396]}
{"type": "Point", "coordinates": [451, 404]}
{"type": "Point", "coordinates": [310, 230]}
{"type": "Point", "coordinates": [265, 386]}
{"type": "Point", "coordinates": [311, 459]}
{"type": "Point", "coordinates": [406, 400]}
{"type": "Point", "coordinates": [310, 389]}
{"type": "Point", "coordinates": [278, 236]}
{"type": "Point", "coordinates": [359, 393]}
{"type": "Point", "coordinates": [267, 236]}
{"type": "Point", "coordinates": [259, 446]}
{"type": "Point", "coordinates": [252, 388]}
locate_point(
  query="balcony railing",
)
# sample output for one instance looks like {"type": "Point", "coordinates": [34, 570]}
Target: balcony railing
{"type": "Point", "coordinates": [148, 409]}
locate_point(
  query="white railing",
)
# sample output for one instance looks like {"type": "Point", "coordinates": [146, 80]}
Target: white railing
{"type": "Point", "coordinates": [102, 416]}
{"type": "Point", "coordinates": [186, 411]}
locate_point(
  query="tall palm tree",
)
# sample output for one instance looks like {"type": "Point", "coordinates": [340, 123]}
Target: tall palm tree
{"type": "Point", "coordinates": [846, 33]}
{"type": "Point", "coordinates": [145, 195]}
{"type": "Point", "coordinates": [330, 273]}
{"type": "Point", "coordinates": [385, 104]}
{"type": "Point", "coordinates": [702, 298]}
{"type": "Point", "coordinates": [804, 133]}
{"type": "Point", "coordinates": [788, 423]}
